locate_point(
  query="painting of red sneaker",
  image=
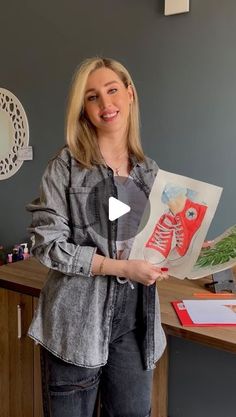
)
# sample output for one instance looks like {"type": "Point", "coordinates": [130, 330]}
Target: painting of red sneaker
{"type": "Point", "coordinates": [173, 231]}
{"type": "Point", "coordinates": [159, 244]}
{"type": "Point", "coordinates": [188, 221]}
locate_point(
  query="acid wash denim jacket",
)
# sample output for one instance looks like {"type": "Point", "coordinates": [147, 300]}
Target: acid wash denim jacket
{"type": "Point", "coordinates": [74, 315]}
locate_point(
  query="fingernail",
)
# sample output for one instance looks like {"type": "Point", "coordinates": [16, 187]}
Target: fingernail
{"type": "Point", "coordinates": [164, 269]}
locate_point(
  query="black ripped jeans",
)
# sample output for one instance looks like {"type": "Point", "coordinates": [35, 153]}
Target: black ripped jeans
{"type": "Point", "coordinates": [124, 385]}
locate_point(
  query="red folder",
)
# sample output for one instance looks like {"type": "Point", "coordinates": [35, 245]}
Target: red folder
{"type": "Point", "coordinates": [185, 319]}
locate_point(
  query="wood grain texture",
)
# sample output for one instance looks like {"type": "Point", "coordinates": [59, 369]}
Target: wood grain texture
{"type": "Point", "coordinates": [26, 276]}
{"type": "Point", "coordinates": [160, 387]}
{"type": "Point", "coordinates": [16, 371]}
{"type": "Point", "coordinates": [4, 354]}
{"type": "Point", "coordinates": [38, 405]}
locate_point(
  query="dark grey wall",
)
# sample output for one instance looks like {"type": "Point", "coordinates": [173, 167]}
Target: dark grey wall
{"type": "Point", "coordinates": [184, 68]}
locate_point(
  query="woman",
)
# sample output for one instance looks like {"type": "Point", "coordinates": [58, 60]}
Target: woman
{"type": "Point", "coordinates": [98, 318]}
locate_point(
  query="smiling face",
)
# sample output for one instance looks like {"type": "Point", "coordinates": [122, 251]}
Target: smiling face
{"type": "Point", "coordinates": [107, 101]}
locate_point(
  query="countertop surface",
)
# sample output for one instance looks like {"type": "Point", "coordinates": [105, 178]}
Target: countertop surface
{"type": "Point", "coordinates": [28, 277]}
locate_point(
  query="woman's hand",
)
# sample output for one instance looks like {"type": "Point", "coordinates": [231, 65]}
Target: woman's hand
{"type": "Point", "coordinates": [135, 270]}
{"type": "Point", "coordinates": [144, 272]}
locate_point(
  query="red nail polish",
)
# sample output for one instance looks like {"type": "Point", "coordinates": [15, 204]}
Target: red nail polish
{"type": "Point", "coordinates": [164, 269]}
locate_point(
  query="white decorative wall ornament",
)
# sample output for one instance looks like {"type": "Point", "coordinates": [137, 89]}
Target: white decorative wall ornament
{"type": "Point", "coordinates": [14, 134]}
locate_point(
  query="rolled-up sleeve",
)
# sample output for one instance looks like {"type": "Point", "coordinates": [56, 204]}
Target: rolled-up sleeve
{"type": "Point", "coordinates": [51, 225]}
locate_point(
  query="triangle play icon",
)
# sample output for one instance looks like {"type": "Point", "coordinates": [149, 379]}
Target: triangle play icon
{"type": "Point", "coordinates": [116, 208]}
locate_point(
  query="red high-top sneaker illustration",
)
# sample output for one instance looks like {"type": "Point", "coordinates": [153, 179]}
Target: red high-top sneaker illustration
{"type": "Point", "coordinates": [159, 244]}
{"type": "Point", "coordinates": [188, 222]}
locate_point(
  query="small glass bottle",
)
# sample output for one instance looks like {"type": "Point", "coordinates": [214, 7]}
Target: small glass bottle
{"type": "Point", "coordinates": [26, 254]}
{"type": "Point", "coordinates": [9, 258]}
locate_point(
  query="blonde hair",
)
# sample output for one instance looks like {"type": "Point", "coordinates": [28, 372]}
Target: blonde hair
{"type": "Point", "coordinates": [80, 133]}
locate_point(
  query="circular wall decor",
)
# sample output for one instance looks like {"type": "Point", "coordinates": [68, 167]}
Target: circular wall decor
{"type": "Point", "coordinates": [14, 133]}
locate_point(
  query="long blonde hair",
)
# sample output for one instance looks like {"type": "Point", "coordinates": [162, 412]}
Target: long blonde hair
{"type": "Point", "coordinates": [80, 133]}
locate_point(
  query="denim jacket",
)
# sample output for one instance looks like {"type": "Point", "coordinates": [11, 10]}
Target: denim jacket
{"type": "Point", "coordinates": [74, 315]}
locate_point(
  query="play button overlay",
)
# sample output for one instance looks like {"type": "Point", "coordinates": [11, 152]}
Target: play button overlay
{"type": "Point", "coordinates": [115, 206]}
{"type": "Point", "coordinates": [117, 209]}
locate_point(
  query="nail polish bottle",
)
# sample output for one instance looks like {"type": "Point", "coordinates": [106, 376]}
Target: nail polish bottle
{"type": "Point", "coordinates": [9, 258]}
{"type": "Point", "coordinates": [26, 252]}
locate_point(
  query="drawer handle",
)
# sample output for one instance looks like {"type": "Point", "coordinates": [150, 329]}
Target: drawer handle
{"type": "Point", "coordinates": [19, 333]}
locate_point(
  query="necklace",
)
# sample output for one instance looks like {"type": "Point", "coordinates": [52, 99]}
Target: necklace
{"type": "Point", "coordinates": [117, 169]}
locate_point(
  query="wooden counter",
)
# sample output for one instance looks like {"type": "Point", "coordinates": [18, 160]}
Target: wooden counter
{"type": "Point", "coordinates": [26, 276]}
{"type": "Point", "coordinates": [214, 336]}
{"type": "Point", "coordinates": [29, 276]}
{"type": "Point", "coordinates": [20, 380]}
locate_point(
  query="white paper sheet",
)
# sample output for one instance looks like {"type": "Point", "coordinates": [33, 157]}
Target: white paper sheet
{"type": "Point", "coordinates": [211, 311]}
